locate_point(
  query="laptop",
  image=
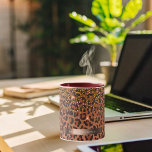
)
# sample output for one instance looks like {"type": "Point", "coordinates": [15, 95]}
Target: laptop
{"type": "Point", "coordinates": [131, 90]}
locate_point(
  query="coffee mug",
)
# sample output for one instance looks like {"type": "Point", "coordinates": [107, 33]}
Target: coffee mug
{"type": "Point", "coordinates": [82, 111]}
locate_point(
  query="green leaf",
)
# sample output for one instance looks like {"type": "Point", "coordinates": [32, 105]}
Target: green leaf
{"type": "Point", "coordinates": [87, 29]}
{"type": "Point", "coordinates": [141, 19]}
{"type": "Point", "coordinates": [111, 23]}
{"type": "Point", "coordinates": [131, 9]}
{"type": "Point", "coordinates": [90, 29]}
{"type": "Point", "coordinates": [89, 38]}
{"type": "Point", "coordinates": [111, 39]}
{"type": "Point", "coordinates": [82, 19]}
{"type": "Point", "coordinates": [100, 8]}
{"type": "Point", "coordinates": [115, 7]}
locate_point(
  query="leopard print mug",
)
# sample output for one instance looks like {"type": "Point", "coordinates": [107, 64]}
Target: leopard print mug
{"type": "Point", "coordinates": [82, 111]}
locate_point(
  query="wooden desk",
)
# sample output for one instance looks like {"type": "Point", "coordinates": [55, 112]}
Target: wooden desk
{"type": "Point", "coordinates": [33, 125]}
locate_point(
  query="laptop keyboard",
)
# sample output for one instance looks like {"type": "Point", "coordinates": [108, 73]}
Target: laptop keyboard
{"type": "Point", "coordinates": [123, 106]}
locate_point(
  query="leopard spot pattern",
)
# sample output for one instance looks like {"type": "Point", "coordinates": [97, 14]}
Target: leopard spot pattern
{"type": "Point", "coordinates": [82, 108]}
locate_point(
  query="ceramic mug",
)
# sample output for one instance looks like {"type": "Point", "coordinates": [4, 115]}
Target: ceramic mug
{"type": "Point", "coordinates": [82, 111]}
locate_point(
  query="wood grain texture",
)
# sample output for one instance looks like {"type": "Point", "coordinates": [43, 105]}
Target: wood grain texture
{"type": "Point", "coordinates": [4, 147]}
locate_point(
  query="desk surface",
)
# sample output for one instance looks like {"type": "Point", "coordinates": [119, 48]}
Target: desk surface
{"type": "Point", "coordinates": [33, 125]}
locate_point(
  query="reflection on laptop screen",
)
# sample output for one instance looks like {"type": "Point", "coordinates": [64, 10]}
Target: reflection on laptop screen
{"type": "Point", "coordinates": [133, 78]}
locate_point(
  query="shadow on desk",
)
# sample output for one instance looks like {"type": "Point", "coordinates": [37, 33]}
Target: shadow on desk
{"type": "Point", "coordinates": [9, 105]}
{"type": "Point", "coordinates": [48, 126]}
{"type": "Point", "coordinates": [30, 128]}
{"type": "Point", "coordinates": [43, 132]}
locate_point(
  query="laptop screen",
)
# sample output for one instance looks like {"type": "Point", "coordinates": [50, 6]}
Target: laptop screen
{"type": "Point", "coordinates": [133, 77]}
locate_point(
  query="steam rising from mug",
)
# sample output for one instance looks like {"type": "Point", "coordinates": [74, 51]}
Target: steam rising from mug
{"type": "Point", "coordinates": [86, 60]}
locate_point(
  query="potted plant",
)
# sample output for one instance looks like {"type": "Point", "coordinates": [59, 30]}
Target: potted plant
{"type": "Point", "coordinates": [115, 22]}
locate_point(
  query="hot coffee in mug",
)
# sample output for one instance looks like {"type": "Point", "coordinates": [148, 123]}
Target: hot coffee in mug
{"type": "Point", "coordinates": [82, 111]}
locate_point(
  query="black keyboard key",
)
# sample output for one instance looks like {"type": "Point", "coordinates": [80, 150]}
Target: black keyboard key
{"type": "Point", "coordinates": [123, 106]}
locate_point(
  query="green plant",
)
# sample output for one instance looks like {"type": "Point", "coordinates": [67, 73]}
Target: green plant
{"type": "Point", "coordinates": [113, 23]}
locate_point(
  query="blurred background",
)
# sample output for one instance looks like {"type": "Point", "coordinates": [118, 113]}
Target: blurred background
{"type": "Point", "coordinates": [34, 38]}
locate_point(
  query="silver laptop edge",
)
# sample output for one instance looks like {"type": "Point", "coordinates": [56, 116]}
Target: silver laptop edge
{"type": "Point", "coordinates": [129, 116]}
{"type": "Point", "coordinates": [115, 116]}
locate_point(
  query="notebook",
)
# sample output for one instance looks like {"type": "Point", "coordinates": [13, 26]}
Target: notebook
{"type": "Point", "coordinates": [45, 88]}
